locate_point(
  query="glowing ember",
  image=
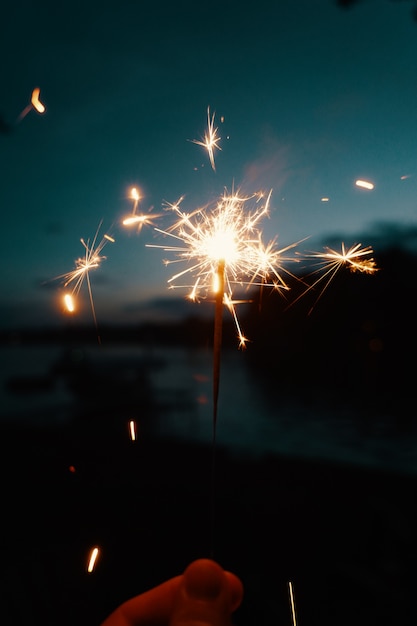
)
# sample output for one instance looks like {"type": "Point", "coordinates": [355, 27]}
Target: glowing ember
{"type": "Point", "coordinates": [211, 139]}
{"type": "Point", "coordinates": [132, 430]}
{"type": "Point", "coordinates": [92, 560]}
{"type": "Point", "coordinates": [135, 194]}
{"type": "Point", "coordinates": [35, 104]}
{"type": "Point", "coordinates": [364, 184]}
{"type": "Point", "coordinates": [69, 303]}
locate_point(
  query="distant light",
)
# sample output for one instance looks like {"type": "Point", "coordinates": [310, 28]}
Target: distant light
{"type": "Point", "coordinates": [364, 184]}
{"type": "Point", "coordinates": [92, 560]}
{"type": "Point", "coordinates": [325, 199]}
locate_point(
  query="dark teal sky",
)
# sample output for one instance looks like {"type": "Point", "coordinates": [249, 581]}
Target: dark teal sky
{"type": "Point", "coordinates": [313, 97]}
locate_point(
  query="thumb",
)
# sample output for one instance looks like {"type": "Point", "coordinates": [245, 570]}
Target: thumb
{"type": "Point", "coordinates": [206, 595]}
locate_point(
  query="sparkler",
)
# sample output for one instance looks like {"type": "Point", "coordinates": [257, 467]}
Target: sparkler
{"type": "Point", "coordinates": [222, 246]}
{"type": "Point", "coordinates": [355, 258]}
{"type": "Point", "coordinates": [211, 139]}
{"type": "Point", "coordinates": [91, 260]}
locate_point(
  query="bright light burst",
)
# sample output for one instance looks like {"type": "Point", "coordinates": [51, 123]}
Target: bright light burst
{"type": "Point", "coordinates": [225, 237]}
{"type": "Point", "coordinates": [211, 139]}
{"type": "Point", "coordinates": [91, 260]}
{"type": "Point", "coordinates": [355, 258]}
{"type": "Point", "coordinates": [141, 219]}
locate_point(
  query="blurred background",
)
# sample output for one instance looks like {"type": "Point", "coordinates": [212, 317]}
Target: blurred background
{"type": "Point", "coordinates": [106, 413]}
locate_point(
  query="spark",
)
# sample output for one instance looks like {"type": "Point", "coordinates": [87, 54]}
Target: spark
{"type": "Point", "coordinates": [364, 184]}
{"type": "Point", "coordinates": [222, 247]}
{"type": "Point", "coordinates": [92, 560]}
{"type": "Point", "coordinates": [355, 258]}
{"type": "Point", "coordinates": [34, 104]}
{"type": "Point", "coordinates": [211, 139]}
{"type": "Point", "coordinates": [292, 603]}
{"type": "Point", "coordinates": [132, 430]}
{"type": "Point", "coordinates": [91, 260]}
{"type": "Point", "coordinates": [225, 235]}
{"type": "Point", "coordinates": [135, 219]}
{"type": "Point", "coordinates": [139, 220]}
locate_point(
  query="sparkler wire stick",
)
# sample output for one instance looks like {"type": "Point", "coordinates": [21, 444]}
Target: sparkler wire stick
{"type": "Point", "coordinates": [217, 340]}
{"type": "Point", "coordinates": [217, 345]}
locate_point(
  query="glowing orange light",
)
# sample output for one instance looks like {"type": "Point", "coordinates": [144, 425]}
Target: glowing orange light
{"type": "Point", "coordinates": [364, 184]}
{"type": "Point", "coordinates": [69, 303]}
{"type": "Point", "coordinates": [134, 193]}
{"type": "Point", "coordinates": [92, 560]}
{"type": "Point", "coordinates": [36, 103]}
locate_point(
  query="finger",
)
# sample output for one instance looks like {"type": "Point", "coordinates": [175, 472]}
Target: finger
{"type": "Point", "coordinates": [207, 594]}
{"type": "Point", "coordinates": [151, 608]}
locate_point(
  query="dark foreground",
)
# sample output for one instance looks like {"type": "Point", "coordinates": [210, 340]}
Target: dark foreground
{"type": "Point", "coordinates": [345, 537]}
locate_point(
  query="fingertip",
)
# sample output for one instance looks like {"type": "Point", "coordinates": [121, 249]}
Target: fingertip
{"type": "Point", "coordinates": [236, 590]}
{"type": "Point", "coordinates": [204, 579]}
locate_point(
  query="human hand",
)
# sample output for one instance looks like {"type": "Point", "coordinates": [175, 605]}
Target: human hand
{"type": "Point", "coordinates": [204, 593]}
